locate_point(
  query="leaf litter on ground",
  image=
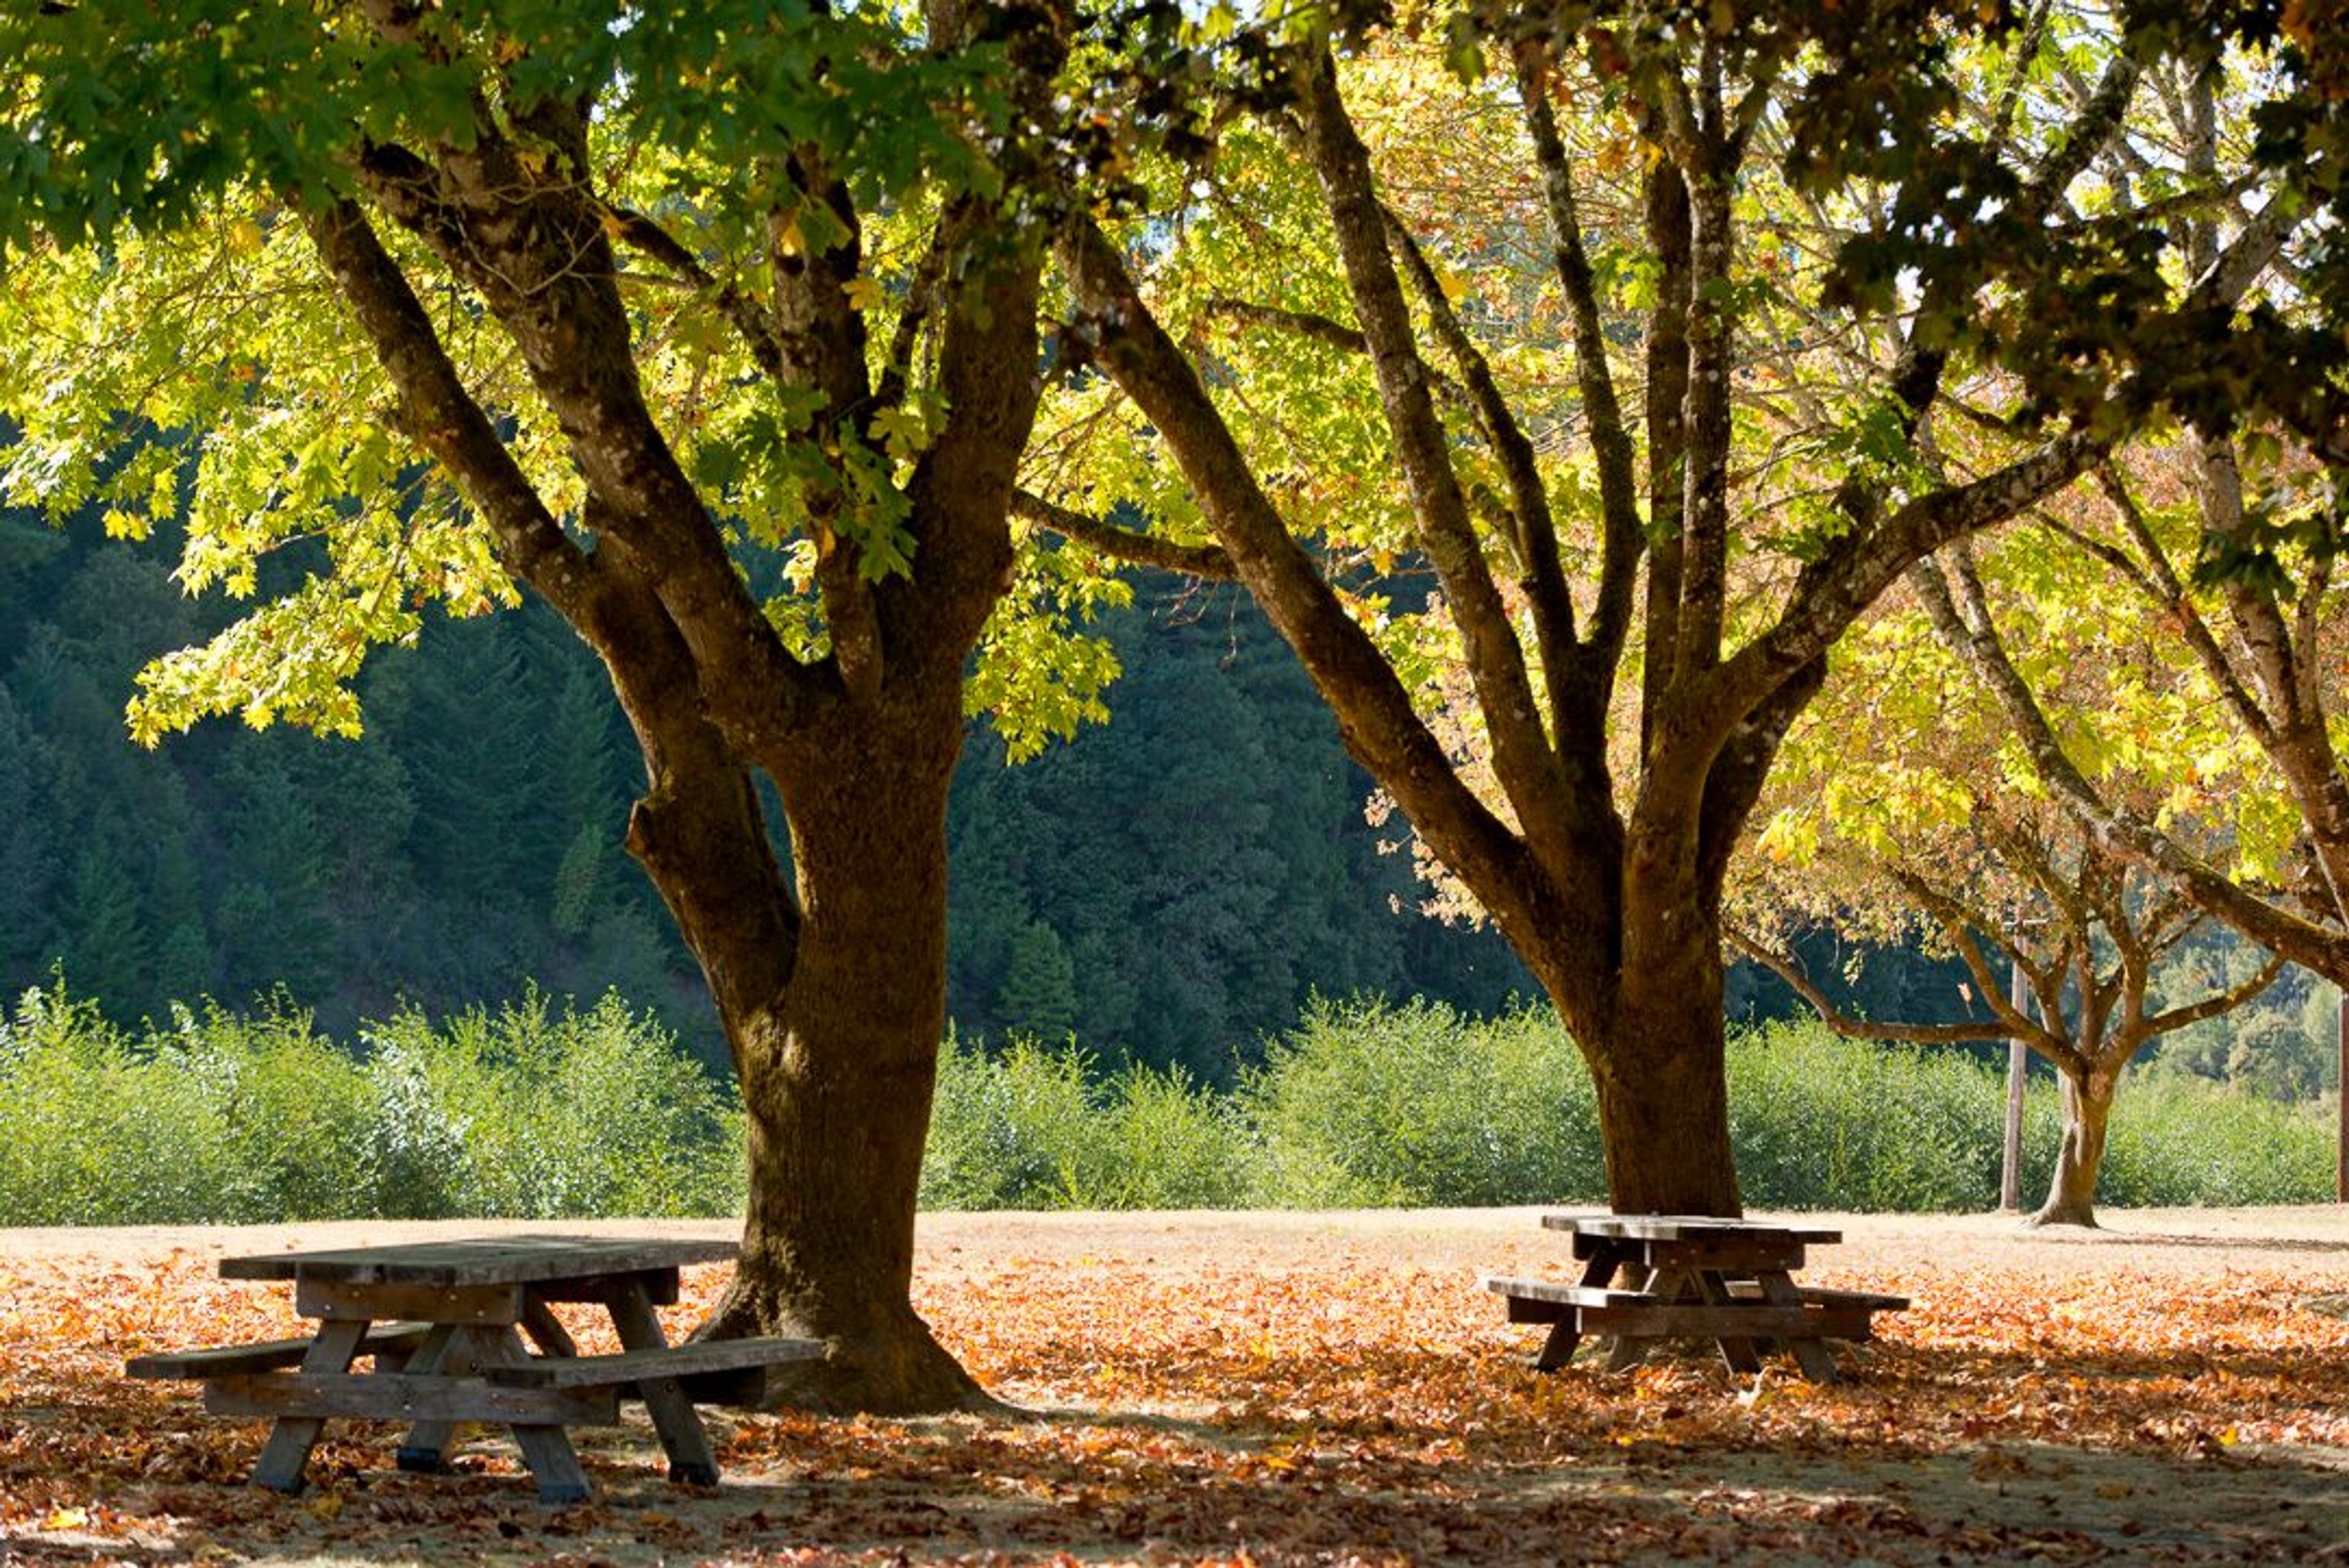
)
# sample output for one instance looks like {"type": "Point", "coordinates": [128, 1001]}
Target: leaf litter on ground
{"type": "Point", "coordinates": [1199, 1409]}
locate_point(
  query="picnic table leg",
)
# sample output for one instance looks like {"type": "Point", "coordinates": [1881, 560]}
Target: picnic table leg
{"type": "Point", "coordinates": [1737, 1350]}
{"type": "Point", "coordinates": [1671, 1284]}
{"type": "Point", "coordinates": [538, 1320]}
{"type": "Point", "coordinates": [425, 1450]}
{"type": "Point", "coordinates": [687, 1441]}
{"type": "Point", "coordinates": [287, 1452]}
{"type": "Point", "coordinates": [1566, 1334]}
{"type": "Point", "coordinates": [545, 1448]}
{"type": "Point", "coordinates": [1811, 1352]}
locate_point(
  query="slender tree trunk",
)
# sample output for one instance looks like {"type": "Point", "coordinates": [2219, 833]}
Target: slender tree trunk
{"type": "Point", "coordinates": [838, 1070]}
{"type": "Point", "coordinates": [2087, 1107]}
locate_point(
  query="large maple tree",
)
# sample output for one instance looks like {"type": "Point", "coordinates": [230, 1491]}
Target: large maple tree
{"type": "Point", "coordinates": [1647, 488]}
{"type": "Point", "coordinates": [716, 328]}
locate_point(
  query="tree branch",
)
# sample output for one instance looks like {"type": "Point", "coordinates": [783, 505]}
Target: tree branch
{"type": "Point", "coordinates": [1971, 633]}
{"type": "Point", "coordinates": [1374, 713]}
{"type": "Point", "coordinates": [1786, 967]}
{"type": "Point", "coordinates": [1622, 542]}
{"type": "Point", "coordinates": [1124, 544]}
{"type": "Point", "coordinates": [1523, 759]}
{"type": "Point", "coordinates": [1531, 522]}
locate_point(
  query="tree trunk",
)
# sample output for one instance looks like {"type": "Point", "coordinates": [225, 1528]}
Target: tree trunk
{"type": "Point", "coordinates": [837, 1074]}
{"type": "Point", "coordinates": [1659, 1061]}
{"type": "Point", "coordinates": [2087, 1107]}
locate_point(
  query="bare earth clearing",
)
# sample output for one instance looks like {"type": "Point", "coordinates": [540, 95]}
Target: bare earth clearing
{"type": "Point", "coordinates": [1299, 1388]}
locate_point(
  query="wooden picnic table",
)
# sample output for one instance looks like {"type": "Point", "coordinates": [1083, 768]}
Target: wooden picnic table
{"type": "Point", "coordinates": [1649, 1278]}
{"type": "Point", "coordinates": [441, 1324]}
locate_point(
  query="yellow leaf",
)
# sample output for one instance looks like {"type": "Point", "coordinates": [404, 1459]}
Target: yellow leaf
{"type": "Point", "coordinates": [863, 292]}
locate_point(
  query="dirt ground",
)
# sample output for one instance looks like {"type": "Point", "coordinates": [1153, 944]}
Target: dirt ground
{"type": "Point", "coordinates": [1995, 1500]}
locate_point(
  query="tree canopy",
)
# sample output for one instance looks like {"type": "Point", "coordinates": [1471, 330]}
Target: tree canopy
{"type": "Point", "coordinates": [1707, 326]}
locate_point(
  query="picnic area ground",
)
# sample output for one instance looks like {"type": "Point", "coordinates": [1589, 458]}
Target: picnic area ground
{"type": "Point", "coordinates": [1295, 1388]}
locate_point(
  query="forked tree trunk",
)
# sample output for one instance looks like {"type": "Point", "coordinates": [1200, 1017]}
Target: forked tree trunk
{"type": "Point", "coordinates": [2087, 1107]}
{"type": "Point", "coordinates": [837, 1072]}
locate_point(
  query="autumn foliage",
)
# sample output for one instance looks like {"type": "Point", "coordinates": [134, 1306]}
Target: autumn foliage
{"type": "Point", "coordinates": [1349, 1402]}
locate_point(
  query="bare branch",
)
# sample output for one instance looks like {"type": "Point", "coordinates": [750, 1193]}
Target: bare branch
{"type": "Point", "coordinates": [1787, 967]}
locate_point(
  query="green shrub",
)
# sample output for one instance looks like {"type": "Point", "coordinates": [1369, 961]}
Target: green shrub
{"type": "Point", "coordinates": [1822, 1123]}
{"type": "Point", "coordinates": [1368, 1103]}
{"type": "Point", "coordinates": [277, 1110]}
{"type": "Point", "coordinates": [1030, 1129]}
{"type": "Point", "coordinates": [525, 1114]}
{"type": "Point", "coordinates": [536, 1112]}
{"type": "Point", "coordinates": [2177, 1141]}
{"type": "Point", "coordinates": [221, 1118]}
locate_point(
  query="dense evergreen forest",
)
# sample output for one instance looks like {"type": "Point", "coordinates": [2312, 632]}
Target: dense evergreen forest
{"type": "Point", "coordinates": [1168, 887]}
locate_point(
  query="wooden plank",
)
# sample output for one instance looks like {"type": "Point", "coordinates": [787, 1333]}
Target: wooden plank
{"type": "Point", "coordinates": [433, 1303]}
{"type": "Point", "coordinates": [1557, 1349]}
{"type": "Point", "coordinates": [1842, 1301]}
{"type": "Point", "coordinates": [404, 1397]}
{"type": "Point", "coordinates": [1868, 1301]}
{"type": "Point", "coordinates": [545, 1329]}
{"type": "Point", "coordinates": [268, 1355]}
{"type": "Point", "coordinates": [545, 1445]}
{"type": "Point", "coordinates": [1568, 1295]}
{"type": "Point", "coordinates": [1738, 1351]}
{"type": "Point", "coordinates": [667, 1361]}
{"type": "Point", "coordinates": [1686, 1227]}
{"type": "Point", "coordinates": [425, 1450]}
{"type": "Point", "coordinates": [1816, 1360]}
{"type": "Point", "coordinates": [659, 1285]}
{"type": "Point", "coordinates": [1696, 1321]}
{"type": "Point", "coordinates": [485, 1260]}
{"type": "Point", "coordinates": [1721, 1254]}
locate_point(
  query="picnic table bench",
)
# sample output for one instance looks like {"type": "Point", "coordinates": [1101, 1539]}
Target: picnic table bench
{"type": "Point", "coordinates": [442, 1325]}
{"type": "Point", "coordinates": [1728, 1281]}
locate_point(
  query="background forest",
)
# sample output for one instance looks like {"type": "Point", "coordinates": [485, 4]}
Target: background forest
{"type": "Point", "coordinates": [1168, 890]}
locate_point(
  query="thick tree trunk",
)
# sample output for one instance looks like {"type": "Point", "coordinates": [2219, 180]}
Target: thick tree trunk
{"type": "Point", "coordinates": [1659, 1059]}
{"type": "Point", "coordinates": [837, 1073]}
{"type": "Point", "coordinates": [2087, 1107]}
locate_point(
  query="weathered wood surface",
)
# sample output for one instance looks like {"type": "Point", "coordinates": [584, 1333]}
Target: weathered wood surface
{"type": "Point", "coordinates": [406, 1397]}
{"type": "Point", "coordinates": [1687, 1228]}
{"type": "Point", "coordinates": [1729, 1281]}
{"type": "Point", "coordinates": [683, 1438]}
{"type": "Point", "coordinates": [663, 1361]}
{"type": "Point", "coordinates": [268, 1355]}
{"type": "Point", "coordinates": [426, 1302]}
{"type": "Point", "coordinates": [1638, 1312]}
{"type": "Point", "coordinates": [483, 1261]}
{"type": "Point", "coordinates": [1553, 1292]}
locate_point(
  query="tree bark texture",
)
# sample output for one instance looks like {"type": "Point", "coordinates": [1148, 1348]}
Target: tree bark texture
{"type": "Point", "coordinates": [837, 1073]}
{"type": "Point", "coordinates": [2087, 1100]}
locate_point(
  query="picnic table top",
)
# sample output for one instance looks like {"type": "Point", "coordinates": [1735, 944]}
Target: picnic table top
{"type": "Point", "coordinates": [1686, 1227]}
{"type": "Point", "coordinates": [483, 1261]}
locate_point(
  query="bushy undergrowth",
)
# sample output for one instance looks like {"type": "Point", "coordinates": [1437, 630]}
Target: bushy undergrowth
{"type": "Point", "coordinates": [1370, 1104]}
{"type": "Point", "coordinates": [540, 1112]}
{"type": "Point", "coordinates": [528, 1112]}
